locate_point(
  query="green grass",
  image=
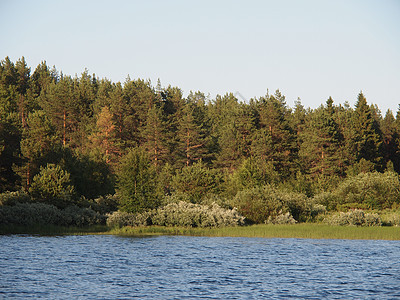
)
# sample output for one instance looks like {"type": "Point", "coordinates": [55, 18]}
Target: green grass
{"type": "Point", "coordinates": [52, 230]}
{"type": "Point", "coordinates": [309, 231]}
{"type": "Point", "coordinates": [305, 230]}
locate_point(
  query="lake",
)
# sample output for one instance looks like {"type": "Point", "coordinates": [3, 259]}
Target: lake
{"type": "Point", "coordinates": [178, 267]}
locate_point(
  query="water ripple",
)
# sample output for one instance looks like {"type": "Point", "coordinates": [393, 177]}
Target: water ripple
{"type": "Point", "coordinates": [104, 267]}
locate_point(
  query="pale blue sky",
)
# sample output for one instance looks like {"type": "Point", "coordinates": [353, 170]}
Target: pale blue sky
{"type": "Point", "coordinates": [310, 49]}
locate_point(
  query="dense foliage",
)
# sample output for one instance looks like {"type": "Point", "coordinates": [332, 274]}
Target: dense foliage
{"type": "Point", "coordinates": [182, 214]}
{"type": "Point", "coordinates": [65, 141]}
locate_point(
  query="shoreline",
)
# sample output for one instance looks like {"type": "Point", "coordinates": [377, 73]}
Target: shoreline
{"type": "Point", "coordinates": [301, 231]}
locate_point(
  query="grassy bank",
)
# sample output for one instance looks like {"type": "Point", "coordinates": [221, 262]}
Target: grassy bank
{"type": "Point", "coordinates": [310, 231]}
{"type": "Point", "coordinates": [52, 230]}
{"type": "Point", "coordinates": [306, 230]}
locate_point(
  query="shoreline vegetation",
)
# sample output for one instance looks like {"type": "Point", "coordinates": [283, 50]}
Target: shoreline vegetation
{"type": "Point", "coordinates": [84, 155]}
{"type": "Point", "coordinates": [300, 231]}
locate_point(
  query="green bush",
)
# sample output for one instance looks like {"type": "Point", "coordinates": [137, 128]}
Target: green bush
{"type": "Point", "coordinates": [355, 217]}
{"type": "Point", "coordinates": [390, 217]}
{"type": "Point", "coordinates": [121, 219]}
{"type": "Point", "coordinates": [182, 214]}
{"type": "Point", "coordinates": [12, 198]}
{"type": "Point", "coordinates": [366, 190]}
{"type": "Point", "coordinates": [76, 216]}
{"type": "Point", "coordinates": [30, 214]}
{"type": "Point", "coordinates": [52, 186]}
{"type": "Point", "coordinates": [196, 181]}
{"type": "Point", "coordinates": [136, 185]}
{"type": "Point", "coordinates": [251, 173]}
{"type": "Point", "coordinates": [327, 199]}
{"type": "Point", "coordinates": [195, 215]}
{"type": "Point", "coordinates": [103, 204]}
{"type": "Point", "coordinates": [286, 218]}
{"type": "Point", "coordinates": [260, 203]}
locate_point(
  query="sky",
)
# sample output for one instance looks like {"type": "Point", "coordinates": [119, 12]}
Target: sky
{"type": "Point", "coordinates": [308, 49]}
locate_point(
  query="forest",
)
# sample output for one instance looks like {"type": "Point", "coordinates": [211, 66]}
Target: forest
{"type": "Point", "coordinates": [84, 150]}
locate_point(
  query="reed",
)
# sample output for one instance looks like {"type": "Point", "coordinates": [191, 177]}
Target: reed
{"type": "Point", "coordinates": [306, 230]}
{"type": "Point", "coordinates": [52, 229]}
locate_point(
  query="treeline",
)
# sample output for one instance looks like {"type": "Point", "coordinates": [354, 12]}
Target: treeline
{"type": "Point", "coordinates": [65, 139]}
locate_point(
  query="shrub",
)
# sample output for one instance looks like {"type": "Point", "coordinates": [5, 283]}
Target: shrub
{"type": "Point", "coordinates": [179, 214]}
{"type": "Point", "coordinates": [104, 204]}
{"type": "Point", "coordinates": [196, 181]}
{"type": "Point", "coordinates": [355, 217]}
{"type": "Point", "coordinates": [376, 190]}
{"type": "Point", "coordinates": [327, 199]}
{"type": "Point", "coordinates": [195, 215]}
{"type": "Point", "coordinates": [12, 198]}
{"type": "Point", "coordinates": [251, 173]}
{"type": "Point", "coordinates": [260, 203]}
{"type": "Point", "coordinates": [52, 186]}
{"type": "Point", "coordinates": [121, 218]}
{"type": "Point", "coordinates": [366, 190]}
{"type": "Point", "coordinates": [76, 216]}
{"type": "Point", "coordinates": [136, 182]}
{"type": "Point", "coordinates": [31, 214]}
{"type": "Point", "coordinates": [390, 217]}
{"type": "Point", "coordinates": [286, 218]}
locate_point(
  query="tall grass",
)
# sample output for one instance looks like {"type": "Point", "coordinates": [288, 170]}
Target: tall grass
{"type": "Point", "coordinates": [308, 231]}
{"type": "Point", "coordinates": [53, 229]}
{"type": "Point", "coordinates": [304, 230]}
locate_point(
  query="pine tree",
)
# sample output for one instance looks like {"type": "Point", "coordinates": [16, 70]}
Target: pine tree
{"type": "Point", "coordinates": [223, 114]}
{"type": "Point", "coordinates": [41, 78]}
{"type": "Point", "coordinates": [321, 147]}
{"type": "Point", "coordinates": [62, 106]}
{"type": "Point", "coordinates": [153, 135]}
{"type": "Point", "coordinates": [277, 134]}
{"type": "Point", "coordinates": [104, 135]}
{"type": "Point", "coordinates": [192, 142]}
{"type": "Point", "coordinates": [8, 88]}
{"type": "Point", "coordinates": [10, 137]}
{"type": "Point", "coordinates": [38, 145]}
{"type": "Point", "coordinates": [367, 138]}
{"type": "Point", "coordinates": [390, 138]}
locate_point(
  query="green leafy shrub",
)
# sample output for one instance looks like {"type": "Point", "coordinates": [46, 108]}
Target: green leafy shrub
{"type": "Point", "coordinates": [196, 181]}
{"type": "Point", "coordinates": [286, 218]}
{"type": "Point", "coordinates": [175, 198]}
{"type": "Point", "coordinates": [136, 185]}
{"type": "Point", "coordinates": [390, 217]}
{"type": "Point", "coordinates": [76, 216]}
{"type": "Point", "coordinates": [103, 204]}
{"type": "Point", "coordinates": [251, 173]}
{"type": "Point", "coordinates": [195, 215]}
{"type": "Point", "coordinates": [260, 203]}
{"type": "Point", "coordinates": [30, 214]}
{"type": "Point", "coordinates": [366, 190]}
{"type": "Point", "coordinates": [183, 214]}
{"type": "Point", "coordinates": [12, 198]}
{"type": "Point", "coordinates": [327, 199]}
{"type": "Point", "coordinates": [376, 190]}
{"type": "Point", "coordinates": [355, 217]}
{"type": "Point", "coordinates": [52, 186]}
{"type": "Point", "coordinates": [121, 219]}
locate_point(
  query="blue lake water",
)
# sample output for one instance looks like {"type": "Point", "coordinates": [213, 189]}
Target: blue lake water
{"type": "Point", "coordinates": [176, 267]}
